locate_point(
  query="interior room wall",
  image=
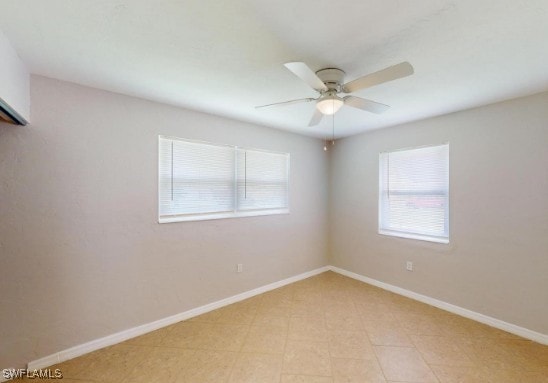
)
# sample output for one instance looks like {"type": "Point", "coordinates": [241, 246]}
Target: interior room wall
{"type": "Point", "coordinates": [497, 260]}
{"type": "Point", "coordinates": [83, 255]}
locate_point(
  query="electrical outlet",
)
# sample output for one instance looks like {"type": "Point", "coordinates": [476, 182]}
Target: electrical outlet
{"type": "Point", "coordinates": [239, 267]}
{"type": "Point", "coordinates": [409, 266]}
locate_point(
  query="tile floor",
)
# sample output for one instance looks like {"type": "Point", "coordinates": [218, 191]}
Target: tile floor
{"type": "Point", "coordinates": [325, 329]}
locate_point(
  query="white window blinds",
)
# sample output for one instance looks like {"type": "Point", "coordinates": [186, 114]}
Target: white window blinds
{"type": "Point", "coordinates": [195, 178]}
{"type": "Point", "coordinates": [205, 181]}
{"type": "Point", "coordinates": [414, 193]}
{"type": "Point", "coordinates": [262, 180]}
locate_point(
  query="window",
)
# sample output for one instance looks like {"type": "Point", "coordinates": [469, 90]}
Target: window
{"type": "Point", "coordinates": [199, 180]}
{"type": "Point", "coordinates": [262, 180]}
{"type": "Point", "coordinates": [414, 193]}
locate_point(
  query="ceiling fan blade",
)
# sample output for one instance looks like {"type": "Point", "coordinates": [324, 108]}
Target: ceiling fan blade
{"type": "Point", "coordinates": [400, 70]}
{"type": "Point", "coordinates": [367, 105]}
{"type": "Point", "coordinates": [316, 118]}
{"type": "Point", "coordinates": [302, 71]}
{"type": "Point", "coordinates": [286, 103]}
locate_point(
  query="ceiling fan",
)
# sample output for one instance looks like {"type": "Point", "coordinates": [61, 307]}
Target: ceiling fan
{"type": "Point", "coordinates": [329, 84]}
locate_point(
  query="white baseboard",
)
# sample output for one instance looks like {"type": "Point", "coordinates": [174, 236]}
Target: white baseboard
{"type": "Point", "coordinates": [121, 336]}
{"type": "Point", "coordinates": [490, 321]}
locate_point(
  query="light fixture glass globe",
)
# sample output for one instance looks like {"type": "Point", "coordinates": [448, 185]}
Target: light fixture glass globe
{"type": "Point", "coordinates": [329, 104]}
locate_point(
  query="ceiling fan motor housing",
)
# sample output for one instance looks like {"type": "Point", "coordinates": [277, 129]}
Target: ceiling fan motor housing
{"type": "Point", "coordinates": [332, 77]}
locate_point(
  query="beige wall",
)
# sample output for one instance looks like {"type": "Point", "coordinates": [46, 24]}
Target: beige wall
{"type": "Point", "coordinates": [82, 254]}
{"type": "Point", "coordinates": [497, 259]}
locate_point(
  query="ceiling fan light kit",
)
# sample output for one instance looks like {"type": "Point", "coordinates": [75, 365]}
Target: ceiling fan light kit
{"type": "Point", "coordinates": [329, 104]}
{"type": "Point", "coordinates": [329, 83]}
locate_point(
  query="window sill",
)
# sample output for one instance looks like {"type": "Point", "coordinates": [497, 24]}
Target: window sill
{"type": "Point", "coordinates": [414, 236]}
{"type": "Point", "coordinates": [205, 217]}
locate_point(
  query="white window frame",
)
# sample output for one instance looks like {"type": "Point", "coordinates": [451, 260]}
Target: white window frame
{"type": "Point", "coordinates": [221, 215]}
{"type": "Point", "coordinates": [402, 234]}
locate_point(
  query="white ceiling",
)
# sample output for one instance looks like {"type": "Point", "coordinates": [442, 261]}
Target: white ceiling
{"type": "Point", "coordinates": [225, 57]}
